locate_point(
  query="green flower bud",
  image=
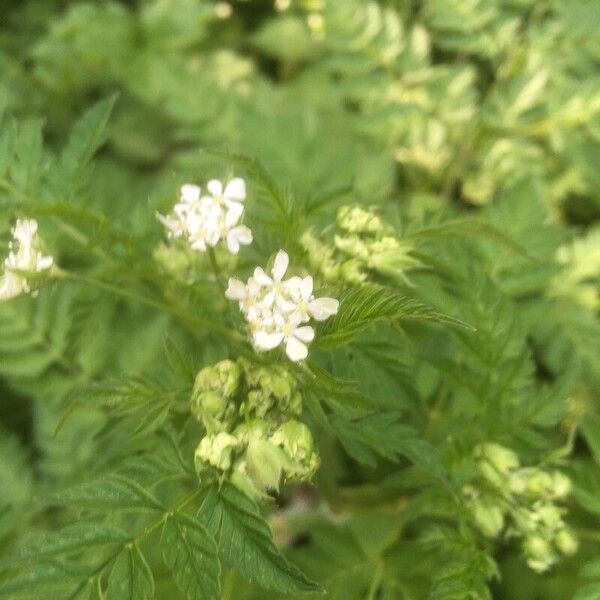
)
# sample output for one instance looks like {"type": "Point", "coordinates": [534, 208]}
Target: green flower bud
{"type": "Point", "coordinates": [355, 219]}
{"type": "Point", "coordinates": [352, 271]}
{"type": "Point", "coordinates": [224, 377]}
{"type": "Point", "coordinates": [538, 483]}
{"type": "Point", "coordinates": [256, 404]}
{"type": "Point", "coordinates": [488, 516]}
{"type": "Point", "coordinates": [215, 450]}
{"type": "Point", "coordinates": [212, 395]}
{"type": "Point", "coordinates": [526, 520]}
{"type": "Point", "coordinates": [517, 483]}
{"type": "Point", "coordinates": [539, 553]}
{"type": "Point", "coordinates": [566, 542]}
{"type": "Point", "coordinates": [352, 246]}
{"type": "Point", "coordinates": [255, 429]}
{"type": "Point", "coordinates": [561, 485]}
{"type": "Point", "coordinates": [320, 256]}
{"type": "Point", "coordinates": [503, 459]}
{"type": "Point", "coordinates": [264, 464]}
{"type": "Point", "coordinates": [273, 391]}
{"type": "Point", "coordinates": [550, 515]}
{"type": "Point", "coordinates": [296, 441]}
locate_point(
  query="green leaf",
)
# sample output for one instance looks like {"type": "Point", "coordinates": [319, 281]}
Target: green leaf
{"type": "Point", "coordinates": [382, 435]}
{"type": "Point", "coordinates": [191, 555]}
{"type": "Point", "coordinates": [130, 577]}
{"type": "Point", "coordinates": [339, 394]}
{"type": "Point", "coordinates": [87, 135]}
{"type": "Point", "coordinates": [26, 167]}
{"type": "Point", "coordinates": [112, 492]}
{"type": "Point", "coordinates": [245, 541]}
{"type": "Point", "coordinates": [586, 485]}
{"type": "Point", "coordinates": [590, 591]}
{"type": "Point", "coordinates": [590, 427]}
{"type": "Point", "coordinates": [181, 364]}
{"type": "Point", "coordinates": [81, 536]}
{"type": "Point", "coordinates": [363, 306]}
{"type": "Point", "coordinates": [42, 575]}
{"type": "Point", "coordinates": [469, 227]}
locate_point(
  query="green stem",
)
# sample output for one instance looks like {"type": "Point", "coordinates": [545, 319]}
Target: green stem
{"type": "Point", "coordinates": [109, 287]}
{"type": "Point", "coordinates": [215, 268]}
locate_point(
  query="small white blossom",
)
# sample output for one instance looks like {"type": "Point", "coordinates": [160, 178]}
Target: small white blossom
{"type": "Point", "coordinates": [206, 220]}
{"type": "Point", "coordinates": [26, 257]}
{"type": "Point", "coordinates": [277, 309]}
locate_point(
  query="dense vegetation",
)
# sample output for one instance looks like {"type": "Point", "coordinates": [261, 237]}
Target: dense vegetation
{"type": "Point", "coordinates": [433, 165]}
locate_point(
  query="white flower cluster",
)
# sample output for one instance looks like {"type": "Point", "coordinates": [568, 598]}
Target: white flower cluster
{"type": "Point", "coordinates": [205, 220]}
{"type": "Point", "coordinates": [27, 257]}
{"type": "Point", "coordinates": [276, 309]}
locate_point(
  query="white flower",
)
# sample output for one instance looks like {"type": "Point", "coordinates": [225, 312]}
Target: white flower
{"type": "Point", "coordinates": [27, 257]}
{"type": "Point", "coordinates": [232, 197]}
{"type": "Point", "coordinates": [307, 305]}
{"type": "Point", "coordinates": [206, 220]}
{"type": "Point", "coordinates": [289, 331]}
{"type": "Point", "coordinates": [276, 308]}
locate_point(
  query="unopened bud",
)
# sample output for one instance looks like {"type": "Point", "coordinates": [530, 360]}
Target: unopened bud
{"type": "Point", "coordinates": [539, 483]}
{"type": "Point", "coordinates": [355, 219]}
{"type": "Point", "coordinates": [296, 441]}
{"type": "Point", "coordinates": [550, 515]}
{"type": "Point", "coordinates": [561, 485]}
{"type": "Point", "coordinates": [264, 464]}
{"type": "Point", "coordinates": [539, 553]}
{"type": "Point", "coordinates": [215, 450]}
{"type": "Point", "coordinates": [489, 517]}
{"type": "Point", "coordinates": [503, 459]}
{"type": "Point", "coordinates": [352, 271]}
{"type": "Point", "coordinates": [352, 246]}
{"type": "Point", "coordinates": [566, 542]}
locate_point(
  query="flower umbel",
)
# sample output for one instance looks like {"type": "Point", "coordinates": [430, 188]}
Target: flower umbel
{"type": "Point", "coordinates": [24, 255]}
{"type": "Point", "coordinates": [277, 310]}
{"type": "Point", "coordinates": [206, 220]}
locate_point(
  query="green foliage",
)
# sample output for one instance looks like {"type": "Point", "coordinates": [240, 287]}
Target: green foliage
{"type": "Point", "coordinates": [434, 166]}
{"type": "Point", "coordinates": [191, 554]}
{"type": "Point", "coordinates": [245, 542]}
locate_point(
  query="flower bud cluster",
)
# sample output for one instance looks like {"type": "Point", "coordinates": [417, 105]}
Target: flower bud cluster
{"type": "Point", "coordinates": [278, 310]}
{"type": "Point", "coordinates": [253, 436]}
{"type": "Point", "coordinates": [362, 243]}
{"type": "Point", "coordinates": [205, 220]}
{"type": "Point", "coordinates": [521, 502]}
{"type": "Point", "coordinates": [24, 255]}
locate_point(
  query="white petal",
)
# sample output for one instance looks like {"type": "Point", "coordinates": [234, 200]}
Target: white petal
{"type": "Point", "coordinates": [215, 187]}
{"type": "Point", "coordinates": [284, 304]}
{"type": "Point", "coordinates": [295, 349]}
{"type": "Point", "coordinates": [44, 262]}
{"type": "Point", "coordinates": [171, 224]}
{"type": "Point", "coordinates": [236, 290]}
{"type": "Point", "coordinates": [261, 277]}
{"type": "Point", "coordinates": [233, 214]}
{"type": "Point", "coordinates": [305, 333]}
{"type": "Point", "coordinates": [306, 287]}
{"type": "Point", "coordinates": [267, 341]}
{"type": "Point", "coordinates": [244, 234]}
{"type": "Point", "coordinates": [199, 244]}
{"type": "Point", "coordinates": [323, 308]}
{"type": "Point", "coordinates": [233, 245]}
{"type": "Point", "coordinates": [190, 192]}
{"type": "Point", "coordinates": [268, 300]}
{"type": "Point", "coordinates": [280, 265]}
{"type": "Point", "coordinates": [236, 189]}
